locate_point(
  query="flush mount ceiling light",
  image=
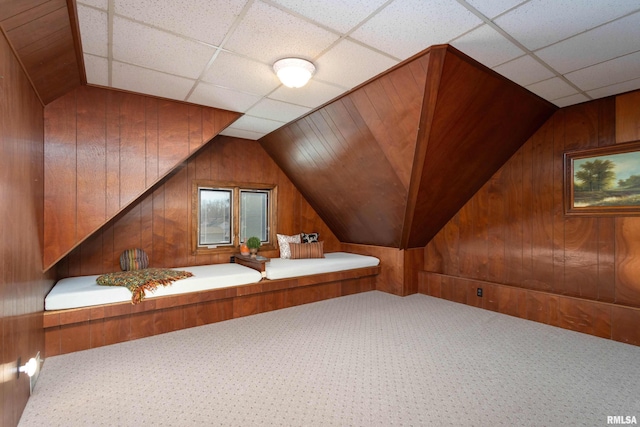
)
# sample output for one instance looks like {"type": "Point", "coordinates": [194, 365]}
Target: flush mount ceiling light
{"type": "Point", "coordinates": [294, 72]}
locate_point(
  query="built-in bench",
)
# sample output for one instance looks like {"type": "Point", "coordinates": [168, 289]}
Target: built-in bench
{"type": "Point", "coordinates": [82, 328]}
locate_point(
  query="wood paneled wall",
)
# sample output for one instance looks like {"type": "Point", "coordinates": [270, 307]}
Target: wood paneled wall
{"type": "Point", "coordinates": [22, 283]}
{"type": "Point", "coordinates": [352, 158]}
{"type": "Point", "coordinates": [159, 223]}
{"type": "Point", "coordinates": [44, 35]}
{"type": "Point", "coordinates": [379, 163]}
{"type": "Point", "coordinates": [105, 148]}
{"type": "Point", "coordinates": [513, 231]}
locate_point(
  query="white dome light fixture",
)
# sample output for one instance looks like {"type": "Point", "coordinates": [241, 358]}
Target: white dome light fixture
{"type": "Point", "coordinates": [294, 72]}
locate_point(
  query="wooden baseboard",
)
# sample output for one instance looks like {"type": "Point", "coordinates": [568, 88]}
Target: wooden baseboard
{"type": "Point", "coordinates": [602, 319]}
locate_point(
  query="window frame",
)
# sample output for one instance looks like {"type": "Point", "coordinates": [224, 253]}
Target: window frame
{"type": "Point", "coordinates": [235, 188]}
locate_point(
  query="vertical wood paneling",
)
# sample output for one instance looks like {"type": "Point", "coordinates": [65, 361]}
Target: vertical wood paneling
{"type": "Point", "coordinates": [159, 222]}
{"type": "Point", "coordinates": [581, 264]}
{"type": "Point", "coordinates": [627, 117]}
{"type": "Point", "coordinates": [59, 184]}
{"type": "Point", "coordinates": [23, 286]}
{"type": "Point", "coordinates": [124, 143]}
{"type": "Point", "coordinates": [91, 156]}
{"type": "Point", "coordinates": [132, 147]}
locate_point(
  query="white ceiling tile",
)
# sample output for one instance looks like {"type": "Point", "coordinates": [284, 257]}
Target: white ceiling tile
{"type": "Point", "coordinates": [241, 133]}
{"type": "Point", "coordinates": [101, 4]}
{"type": "Point", "coordinates": [553, 88]}
{"type": "Point", "coordinates": [341, 15]}
{"type": "Point", "coordinates": [406, 27]}
{"type": "Point", "coordinates": [256, 124]}
{"type": "Point", "coordinates": [219, 97]}
{"type": "Point", "coordinates": [600, 44]}
{"type": "Point", "coordinates": [312, 95]}
{"type": "Point", "coordinates": [623, 87]}
{"type": "Point", "coordinates": [570, 100]}
{"type": "Point", "coordinates": [93, 30]}
{"type": "Point", "coordinates": [277, 110]}
{"type": "Point", "coordinates": [540, 23]}
{"type": "Point", "coordinates": [348, 64]}
{"type": "Point", "coordinates": [486, 45]}
{"type": "Point", "coordinates": [150, 82]}
{"type": "Point", "coordinates": [607, 73]}
{"type": "Point", "coordinates": [268, 34]}
{"type": "Point", "coordinates": [493, 8]}
{"type": "Point", "coordinates": [524, 71]}
{"type": "Point", "coordinates": [246, 75]}
{"type": "Point", "coordinates": [204, 20]}
{"type": "Point", "coordinates": [97, 70]}
{"type": "Point", "coordinates": [147, 47]}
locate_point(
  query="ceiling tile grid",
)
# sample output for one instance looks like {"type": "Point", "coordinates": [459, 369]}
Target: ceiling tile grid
{"type": "Point", "coordinates": [220, 53]}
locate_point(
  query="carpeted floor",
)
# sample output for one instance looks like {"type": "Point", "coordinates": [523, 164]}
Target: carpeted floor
{"type": "Point", "coordinates": [369, 359]}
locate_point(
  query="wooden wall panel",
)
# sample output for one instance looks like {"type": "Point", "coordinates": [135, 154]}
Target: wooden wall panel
{"type": "Point", "coordinates": [392, 277]}
{"type": "Point", "coordinates": [159, 222]}
{"type": "Point", "coordinates": [44, 37]}
{"type": "Point", "coordinates": [593, 260]}
{"type": "Point", "coordinates": [22, 283]}
{"type": "Point", "coordinates": [479, 120]}
{"type": "Point", "coordinates": [627, 118]}
{"type": "Point", "coordinates": [352, 158]}
{"type": "Point", "coordinates": [104, 149]}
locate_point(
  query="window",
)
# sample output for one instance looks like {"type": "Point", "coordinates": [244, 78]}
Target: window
{"type": "Point", "coordinates": [224, 214]}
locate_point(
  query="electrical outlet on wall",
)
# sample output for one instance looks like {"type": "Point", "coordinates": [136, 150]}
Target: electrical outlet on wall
{"type": "Point", "coordinates": [479, 292]}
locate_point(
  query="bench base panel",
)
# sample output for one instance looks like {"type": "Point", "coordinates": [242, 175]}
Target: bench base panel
{"type": "Point", "coordinates": [79, 329]}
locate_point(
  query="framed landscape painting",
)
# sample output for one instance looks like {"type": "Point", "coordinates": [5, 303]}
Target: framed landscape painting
{"type": "Point", "coordinates": [603, 181]}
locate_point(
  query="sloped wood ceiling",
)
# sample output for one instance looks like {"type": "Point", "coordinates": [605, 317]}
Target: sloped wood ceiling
{"type": "Point", "coordinates": [104, 149]}
{"type": "Point", "coordinates": [392, 161]}
{"type": "Point", "coordinates": [40, 33]}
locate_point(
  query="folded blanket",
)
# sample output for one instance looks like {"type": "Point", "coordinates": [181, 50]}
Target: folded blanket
{"type": "Point", "coordinates": [137, 281]}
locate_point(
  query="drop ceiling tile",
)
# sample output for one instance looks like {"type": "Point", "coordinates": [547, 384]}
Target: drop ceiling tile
{"type": "Point", "coordinates": [627, 86]}
{"type": "Point", "coordinates": [97, 69]}
{"type": "Point", "coordinates": [524, 71]}
{"type": "Point", "coordinates": [348, 64]}
{"type": "Point", "coordinates": [486, 45]}
{"type": "Point", "coordinates": [598, 45]}
{"type": "Point", "coordinates": [235, 72]}
{"type": "Point", "coordinates": [256, 124]}
{"type": "Point", "coordinates": [240, 133]}
{"type": "Point", "coordinates": [93, 30]}
{"type": "Point", "coordinates": [101, 4]}
{"type": "Point", "coordinates": [406, 27]}
{"type": "Point", "coordinates": [312, 95]}
{"type": "Point", "coordinates": [218, 97]}
{"type": "Point", "coordinates": [553, 88]}
{"type": "Point", "coordinates": [493, 8]}
{"type": "Point", "coordinates": [540, 23]}
{"type": "Point", "coordinates": [607, 73]}
{"type": "Point", "coordinates": [267, 34]}
{"type": "Point", "coordinates": [570, 100]}
{"type": "Point", "coordinates": [277, 110]}
{"type": "Point", "coordinates": [340, 15]}
{"type": "Point", "coordinates": [150, 82]}
{"type": "Point", "coordinates": [204, 20]}
{"type": "Point", "coordinates": [151, 48]}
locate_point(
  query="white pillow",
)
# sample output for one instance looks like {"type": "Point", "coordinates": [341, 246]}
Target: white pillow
{"type": "Point", "coordinates": [283, 243]}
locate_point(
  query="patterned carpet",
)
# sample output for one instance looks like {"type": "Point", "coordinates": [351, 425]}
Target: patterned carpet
{"type": "Point", "coordinates": [370, 359]}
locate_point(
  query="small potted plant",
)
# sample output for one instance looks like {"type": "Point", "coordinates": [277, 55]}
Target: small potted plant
{"type": "Point", "coordinates": [254, 244]}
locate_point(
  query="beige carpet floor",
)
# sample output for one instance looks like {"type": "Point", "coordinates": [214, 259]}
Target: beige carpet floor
{"type": "Point", "coordinates": [370, 359]}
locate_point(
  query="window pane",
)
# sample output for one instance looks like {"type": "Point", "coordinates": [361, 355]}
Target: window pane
{"type": "Point", "coordinates": [215, 217]}
{"type": "Point", "coordinates": [254, 214]}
